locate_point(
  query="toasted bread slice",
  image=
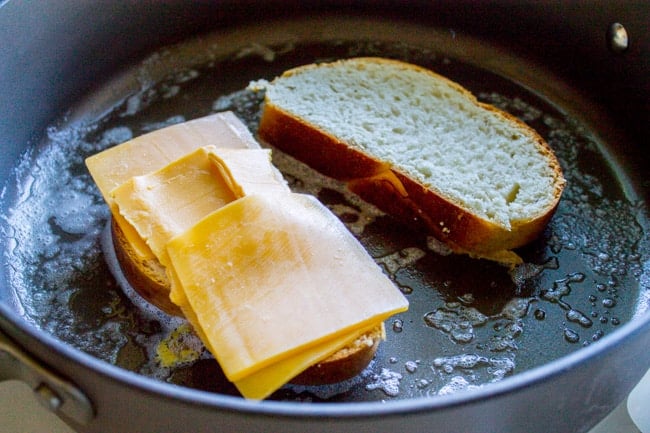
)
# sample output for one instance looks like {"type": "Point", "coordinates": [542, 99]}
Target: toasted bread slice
{"type": "Point", "coordinates": [420, 147]}
{"type": "Point", "coordinates": [150, 281]}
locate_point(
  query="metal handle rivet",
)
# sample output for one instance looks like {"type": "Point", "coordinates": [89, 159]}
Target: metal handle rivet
{"type": "Point", "coordinates": [48, 398]}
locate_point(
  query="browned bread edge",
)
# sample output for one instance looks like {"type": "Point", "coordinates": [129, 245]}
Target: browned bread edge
{"type": "Point", "coordinates": [344, 364]}
{"type": "Point", "coordinates": [147, 278]}
{"type": "Point", "coordinates": [397, 193]}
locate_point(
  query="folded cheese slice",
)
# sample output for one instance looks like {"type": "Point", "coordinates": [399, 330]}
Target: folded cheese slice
{"type": "Point", "coordinates": [152, 151]}
{"type": "Point", "coordinates": [248, 172]}
{"type": "Point", "coordinates": [271, 277]}
{"type": "Point", "coordinates": [166, 202]}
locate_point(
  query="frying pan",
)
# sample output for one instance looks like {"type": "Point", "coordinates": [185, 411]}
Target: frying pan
{"type": "Point", "coordinates": [553, 345]}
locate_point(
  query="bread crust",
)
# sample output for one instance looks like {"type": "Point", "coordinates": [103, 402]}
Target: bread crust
{"type": "Point", "coordinates": [395, 192]}
{"type": "Point", "coordinates": [150, 281]}
{"type": "Point", "coordinates": [344, 364]}
{"type": "Point", "coordinates": [318, 149]}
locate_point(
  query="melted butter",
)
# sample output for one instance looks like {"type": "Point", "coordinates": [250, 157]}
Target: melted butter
{"type": "Point", "coordinates": [180, 347]}
{"type": "Point", "coordinates": [63, 285]}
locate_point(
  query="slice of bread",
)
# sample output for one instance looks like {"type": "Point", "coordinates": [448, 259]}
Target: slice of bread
{"type": "Point", "coordinates": [420, 147]}
{"type": "Point", "coordinates": [149, 279]}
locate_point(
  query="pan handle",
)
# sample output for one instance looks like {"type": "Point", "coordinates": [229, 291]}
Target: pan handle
{"type": "Point", "coordinates": [52, 391]}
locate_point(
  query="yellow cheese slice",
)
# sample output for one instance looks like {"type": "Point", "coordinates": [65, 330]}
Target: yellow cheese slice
{"type": "Point", "coordinates": [264, 382]}
{"type": "Point", "coordinates": [166, 202]}
{"type": "Point", "coordinates": [177, 296]}
{"type": "Point", "coordinates": [163, 204]}
{"type": "Point", "coordinates": [154, 150]}
{"type": "Point", "coordinates": [248, 172]}
{"type": "Point", "coordinates": [269, 277]}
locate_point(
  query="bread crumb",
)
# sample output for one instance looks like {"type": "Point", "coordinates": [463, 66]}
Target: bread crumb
{"type": "Point", "coordinates": [257, 85]}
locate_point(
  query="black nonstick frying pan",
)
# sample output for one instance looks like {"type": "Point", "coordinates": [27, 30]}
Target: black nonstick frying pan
{"type": "Point", "coordinates": [553, 345]}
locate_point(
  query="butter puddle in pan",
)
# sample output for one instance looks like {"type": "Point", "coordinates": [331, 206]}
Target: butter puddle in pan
{"type": "Point", "coordinates": [470, 322]}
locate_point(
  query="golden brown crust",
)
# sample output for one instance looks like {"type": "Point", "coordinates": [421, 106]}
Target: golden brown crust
{"type": "Point", "coordinates": [315, 148]}
{"type": "Point", "coordinates": [461, 230]}
{"type": "Point", "coordinates": [150, 281]}
{"type": "Point", "coordinates": [344, 364]}
{"type": "Point", "coordinates": [400, 195]}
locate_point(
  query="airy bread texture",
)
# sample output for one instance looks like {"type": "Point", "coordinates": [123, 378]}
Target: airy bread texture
{"type": "Point", "coordinates": [420, 147]}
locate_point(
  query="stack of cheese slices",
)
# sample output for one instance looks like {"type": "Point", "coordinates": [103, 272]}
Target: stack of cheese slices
{"type": "Point", "coordinates": [273, 283]}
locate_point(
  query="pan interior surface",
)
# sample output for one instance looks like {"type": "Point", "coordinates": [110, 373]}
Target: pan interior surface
{"type": "Point", "coordinates": [470, 322]}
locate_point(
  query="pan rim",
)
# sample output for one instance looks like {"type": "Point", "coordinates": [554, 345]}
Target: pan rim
{"type": "Point", "coordinates": [338, 410]}
{"type": "Point", "coordinates": [350, 409]}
